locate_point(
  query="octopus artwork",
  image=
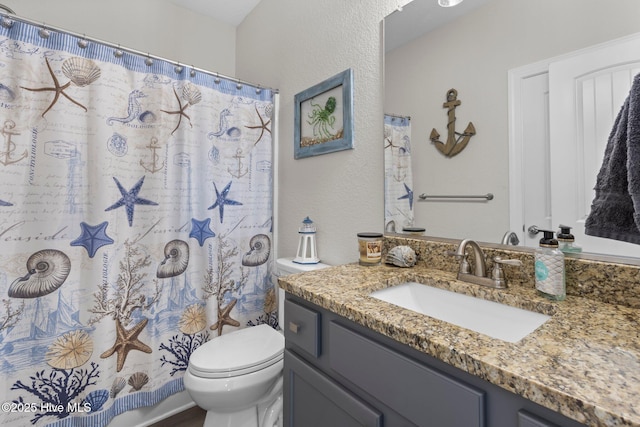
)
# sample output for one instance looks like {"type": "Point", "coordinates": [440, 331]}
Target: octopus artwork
{"type": "Point", "coordinates": [322, 118]}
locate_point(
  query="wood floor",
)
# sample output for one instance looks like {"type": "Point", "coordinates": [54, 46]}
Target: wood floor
{"type": "Point", "coordinates": [193, 417]}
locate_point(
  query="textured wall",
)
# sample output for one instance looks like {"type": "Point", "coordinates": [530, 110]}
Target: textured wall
{"type": "Point", "coordinates": [157, 27]}
{"type": "Point", "coordinates": [295, 44]}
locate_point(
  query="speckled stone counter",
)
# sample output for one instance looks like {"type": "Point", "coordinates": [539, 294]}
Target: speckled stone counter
{"type": "Point", "coordinates": [584, 362]}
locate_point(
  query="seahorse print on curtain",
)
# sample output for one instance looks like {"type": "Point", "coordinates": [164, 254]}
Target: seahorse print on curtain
{"type": "Point", "coordinates": [135, 224]}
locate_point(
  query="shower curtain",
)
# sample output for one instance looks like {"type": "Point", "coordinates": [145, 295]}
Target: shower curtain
{"type": "Point", "coordinates": [135, 223]}
{"type": "Point", "coordinates": [398, 182]}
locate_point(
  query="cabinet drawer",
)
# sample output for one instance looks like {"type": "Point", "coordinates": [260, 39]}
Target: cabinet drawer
{"type": "Point", "coordinates": [526, 419]}
{"type": "Point", "coordinates": [317, 401]}
{"type": "Point", "coordinates": [423, 395]}
{"type": "Point", "coordinates": [302, 327]}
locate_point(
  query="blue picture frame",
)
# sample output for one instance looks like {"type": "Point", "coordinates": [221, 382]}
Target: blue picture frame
{"type": "Point", "coordinates": [324, 117]}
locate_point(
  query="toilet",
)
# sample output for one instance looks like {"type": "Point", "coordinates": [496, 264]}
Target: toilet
{"type": "Point", "coordinates": [237, 377]}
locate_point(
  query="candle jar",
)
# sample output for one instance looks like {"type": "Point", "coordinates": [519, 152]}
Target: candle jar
{"type": "Point", "coordinates": [370, 245]}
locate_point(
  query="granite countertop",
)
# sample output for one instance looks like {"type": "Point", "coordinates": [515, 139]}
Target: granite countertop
{"type": "Point", "coordinates": [583, 363]}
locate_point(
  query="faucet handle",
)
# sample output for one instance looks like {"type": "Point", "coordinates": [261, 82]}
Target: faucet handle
{"type": "Point", "coordinates": [499, 261]}
{"type": "Point", "coordinates": [465, 268]}
{"type": "Point", "coordinates": [498, 274]}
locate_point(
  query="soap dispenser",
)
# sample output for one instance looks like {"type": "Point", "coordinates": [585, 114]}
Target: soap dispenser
{"type": "Point", "coordinates": [549, 268]}
{"type": "Point", "coordinates": [566, 240]}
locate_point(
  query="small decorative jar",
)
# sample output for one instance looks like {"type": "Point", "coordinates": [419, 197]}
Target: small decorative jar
{"type": "Point", "coordinates": [370, 245]}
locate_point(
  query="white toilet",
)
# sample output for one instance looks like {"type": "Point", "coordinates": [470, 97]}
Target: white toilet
{"type": "Point", "coordinates": [237, 377]}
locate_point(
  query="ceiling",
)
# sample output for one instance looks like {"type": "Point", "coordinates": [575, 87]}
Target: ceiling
{"type": "Point", "coordinates": [232, 12]}
{"type": "Point", "coordinates": [421, 16]}
{"type": "Point", "coordinates": [415, 19]}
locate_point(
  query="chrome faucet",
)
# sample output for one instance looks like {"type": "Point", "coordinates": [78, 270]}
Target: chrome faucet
{"type": "Point", "coordinates": [479, 275]}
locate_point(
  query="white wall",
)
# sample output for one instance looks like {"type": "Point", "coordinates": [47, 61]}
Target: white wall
{"type": "Point", "coordinates": [473, 55]}
{"type": "Point", "coordinates": [157, 27]}
{"type": "Point", "coordinates": [293, 45]}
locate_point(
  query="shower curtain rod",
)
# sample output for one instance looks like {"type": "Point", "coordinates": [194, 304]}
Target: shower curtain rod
{"type": "Point", "coordinates": [399, 116]}
{"type": "Point", "coordinates": [7, 8]}
{"type": "Point", "coordinates": [11, 15]}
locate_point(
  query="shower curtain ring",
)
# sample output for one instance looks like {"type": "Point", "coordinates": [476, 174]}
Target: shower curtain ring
{"type": "Point", "coordinates": [192, 73]}
{"type": "Point", "coordinates": [83, 43]}
{"type": "Point", "coordinates": [44, 33]}
{"type": "Point", "coordinates": [118, 53]}
{"type": "Point", "coordinates": [6, 22]}
{"type": "Point", "coordinates": [148, 60]}
{"type": "Point", "coordinates": [238, 85]}
{"type": "Point", "coordinates": [178, 68]}
{"type": "Point", "coordinates": [217, 79]}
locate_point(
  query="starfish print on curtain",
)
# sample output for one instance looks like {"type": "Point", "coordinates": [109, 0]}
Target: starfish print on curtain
{"type": "Point", "coordinates": [93, 237]}
{"type": "Point", "coordinates": [201, 230]}
{"type": "Point", "coordinates": [70, 68]}
{"type": "Point", "coordinates": [221, 200]}
{"type": "Point", "coordinates": [262, 126]}
{"type": "Point", "coordinates": [130, 198]}
{"type": "Point", "coordinates": [224, 317]}
{"type": "Point", "coordinates": [126, 340]}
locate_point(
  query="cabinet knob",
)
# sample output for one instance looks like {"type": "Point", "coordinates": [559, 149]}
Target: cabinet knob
{"type": "Point", "coordinates": [293, 327]}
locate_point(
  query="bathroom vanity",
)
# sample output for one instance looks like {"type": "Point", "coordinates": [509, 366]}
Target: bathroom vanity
{"type": "Point", "coordinates": [353, 360]}
{"type": "Point", "coordinates": [339, 373]}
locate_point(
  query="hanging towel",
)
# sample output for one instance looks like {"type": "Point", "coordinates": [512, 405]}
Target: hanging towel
{"type": "Point", "coordinates": [615, 210]}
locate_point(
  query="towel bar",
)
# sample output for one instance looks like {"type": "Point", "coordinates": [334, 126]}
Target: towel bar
{"type": "Point", "coordinates": [488, 196]}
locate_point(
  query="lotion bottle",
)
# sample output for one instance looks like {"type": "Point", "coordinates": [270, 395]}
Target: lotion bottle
{"type": "Point", "coordinates": [549, 268]}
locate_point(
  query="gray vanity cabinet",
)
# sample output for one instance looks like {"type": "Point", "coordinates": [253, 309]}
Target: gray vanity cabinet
{"type": "Point", "coordinates": [339, 373]}
{"type": "Point", "coordinates": [319, 401]}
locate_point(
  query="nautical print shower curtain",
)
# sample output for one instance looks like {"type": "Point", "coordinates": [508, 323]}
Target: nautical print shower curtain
{"type": "Point", "coordinates": [398, 182]}
{"type": "Point", "coordinates": [135, 223]}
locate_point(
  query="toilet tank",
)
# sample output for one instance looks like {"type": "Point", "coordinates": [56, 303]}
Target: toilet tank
{"type": "Point", "coordinates": [284, 267]}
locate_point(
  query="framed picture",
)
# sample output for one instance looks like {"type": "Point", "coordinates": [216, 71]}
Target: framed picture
{"type": "Point", "coordinates": [324, 117]}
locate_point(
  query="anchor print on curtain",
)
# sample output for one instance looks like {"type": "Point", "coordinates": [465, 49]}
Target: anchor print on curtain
{"type": "Point", "coordinates": [135, 224]}
{"type": "Point", "coordinates": [398, 182]}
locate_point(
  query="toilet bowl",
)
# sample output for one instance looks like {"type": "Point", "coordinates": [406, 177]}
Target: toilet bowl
{"type": "Point", "coordinates": [237, 377]}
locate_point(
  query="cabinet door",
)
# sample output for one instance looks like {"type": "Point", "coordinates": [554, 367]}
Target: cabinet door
{"type": "Point", "coordinates": [314, 400]}
{"type": "Point", "coordinates": [526, 419]}
{"type": "Point", "coordinates": [423, 395]}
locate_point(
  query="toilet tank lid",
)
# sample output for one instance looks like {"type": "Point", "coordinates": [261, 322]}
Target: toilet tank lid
{"type": "Point", "coordinates": [237, 350]}
{"type": "Point", "coordinates": [287, 266]}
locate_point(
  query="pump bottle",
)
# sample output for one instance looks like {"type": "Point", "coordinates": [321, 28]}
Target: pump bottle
{"type": "Point", "coordinates": [549, 268]}
{"type": "Point", "coordinates": [566, 240]}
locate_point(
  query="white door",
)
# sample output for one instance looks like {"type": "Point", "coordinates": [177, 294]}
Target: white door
{"type": "Point", "coordinates": [589, 87]}
{"type": "Point", "coordinates": [529, 164]}
{"type": "Point", "coordinates": [586, 92]}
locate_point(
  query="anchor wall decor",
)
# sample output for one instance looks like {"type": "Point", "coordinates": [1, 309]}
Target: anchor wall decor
{"type": "Point", "coordinates": [456, 141]}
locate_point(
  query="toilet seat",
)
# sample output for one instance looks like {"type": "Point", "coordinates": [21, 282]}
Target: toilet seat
{"type": "Point", "coordinates": [238, 353]}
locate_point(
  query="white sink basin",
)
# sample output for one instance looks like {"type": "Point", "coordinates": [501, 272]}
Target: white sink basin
{"type": "Point", "coordinates": [486, 317]}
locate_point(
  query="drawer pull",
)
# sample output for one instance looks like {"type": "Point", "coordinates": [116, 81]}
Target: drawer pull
{"type": "Point", "coordinates": [293, 327]}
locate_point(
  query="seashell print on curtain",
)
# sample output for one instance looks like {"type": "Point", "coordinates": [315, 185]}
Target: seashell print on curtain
{"type": "Point", "coordinates": [135, 224]}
